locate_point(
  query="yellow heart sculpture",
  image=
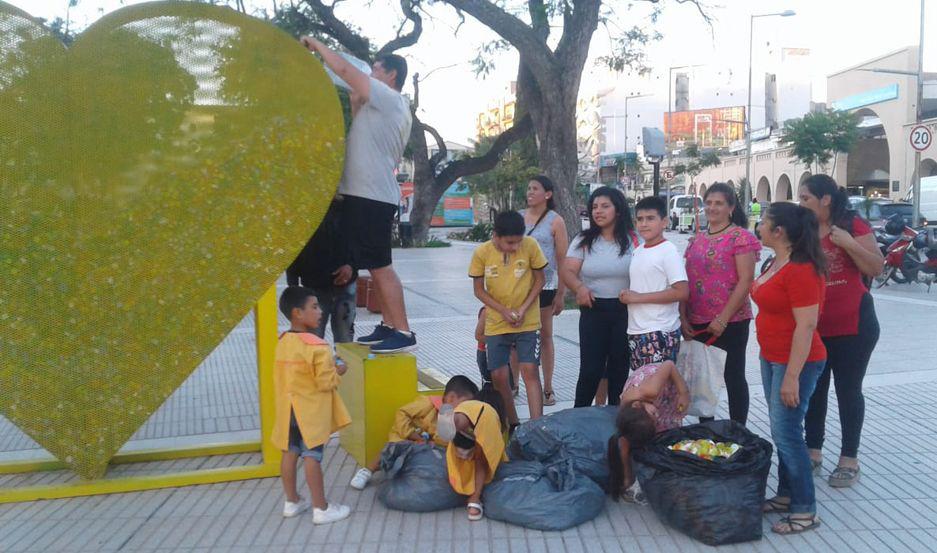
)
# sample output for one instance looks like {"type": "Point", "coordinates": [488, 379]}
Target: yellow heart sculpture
{"type": "Point", "coordinates": [155, 179]}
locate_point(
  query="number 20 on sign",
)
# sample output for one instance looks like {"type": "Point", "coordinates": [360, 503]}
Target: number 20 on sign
{"type": "Point", "coordinates": [921, 138]}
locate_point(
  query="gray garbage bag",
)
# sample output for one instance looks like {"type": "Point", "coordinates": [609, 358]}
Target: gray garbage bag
{"type": "Point", "coordinates": [416, 479]}
{"type": "Point", "coordinates": [716, 502]}
{"type": "Point", "coordinates": [542, 497]}
{"type": "Point", "coordinates": [581, 434]}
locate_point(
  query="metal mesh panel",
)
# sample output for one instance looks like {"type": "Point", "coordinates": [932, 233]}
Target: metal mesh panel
{"type": "Point", "coordinates": [155, 179]}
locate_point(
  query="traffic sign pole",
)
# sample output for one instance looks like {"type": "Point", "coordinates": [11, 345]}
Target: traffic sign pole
{"type": "Point", "coordinates": [920, 138]}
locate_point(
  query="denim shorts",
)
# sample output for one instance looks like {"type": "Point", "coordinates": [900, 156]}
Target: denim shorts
{"type": "Point", "coordinates": [298, 446]}
{"type": "Point", "coordinates": [499, 348]}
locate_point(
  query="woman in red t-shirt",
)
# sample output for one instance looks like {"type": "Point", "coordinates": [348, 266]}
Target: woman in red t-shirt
{"type": "Point", "coordinates": [847, 325]}
{"type": "Point", "coordinates": [789, 296]}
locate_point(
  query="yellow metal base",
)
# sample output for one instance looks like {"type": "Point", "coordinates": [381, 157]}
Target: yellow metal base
{"type": "Point", "coordinates": [137, 483]}
{"type": "Point", "coordinates": [266, 316]}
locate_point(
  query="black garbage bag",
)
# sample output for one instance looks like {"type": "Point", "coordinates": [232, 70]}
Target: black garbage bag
{"type": "Point", "coordinates": [580, 433]}
{"type": "Point", "coordinates": [716, 502]}
{"type": "Point", "coordinates": [416, 479]}
{"type": "Point", "coordinates": [542, 497]}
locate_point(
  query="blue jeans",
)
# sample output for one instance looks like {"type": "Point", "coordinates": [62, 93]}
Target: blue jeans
{"type": "Point", "coordinates": [795, 474]}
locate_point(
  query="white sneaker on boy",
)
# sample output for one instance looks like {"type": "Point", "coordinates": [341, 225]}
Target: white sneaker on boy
{"type": "Point", "coordinates": [333, 513]}
{"type": "Point", "coordinates": [291, 509]}
{"type": "Point", "coordinates": [361, 479]}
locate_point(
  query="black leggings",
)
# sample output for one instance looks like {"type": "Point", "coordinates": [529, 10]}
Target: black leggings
{"type": "Point", "coordinates": [734, 340]}
{"type": "Point", "coordinates": [847, 358]}
{"type": "Point", "coordinates": [603, 350]}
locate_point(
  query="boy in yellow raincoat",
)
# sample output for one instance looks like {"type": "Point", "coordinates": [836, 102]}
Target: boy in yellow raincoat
{"type": "Point", "coordinates": [477, 449]}
{"type": "Point", "coordinates": [416, 422]}
{"type": "Point", "coordinates": [308, 407]}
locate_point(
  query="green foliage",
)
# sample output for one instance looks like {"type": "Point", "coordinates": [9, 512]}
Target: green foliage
{"type": "Point", "coordinates": [817, 137]}
{"type": "Point", "coordinates": [433, 242]}
{"type": "Point", "coordinates": [484, 61]}
{"type": "Point", "coordinates": [697, 161]}
{"type": "Point", "coordinates": [505, 186]}
{"type": "Point", "coordinates": [481, 232]}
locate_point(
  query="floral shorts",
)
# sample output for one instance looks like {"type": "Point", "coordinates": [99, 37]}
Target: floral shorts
{"type": "Point", "coordinates": [653, 348]}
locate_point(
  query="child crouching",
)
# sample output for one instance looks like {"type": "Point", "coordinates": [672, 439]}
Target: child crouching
{"type": "Point", "coordinates": [416, 422]}
{"type": "Point", "coordinates": [654, 400]}
{"type": "Point", "coordinates": [308, 407]}
{"type": "Point", "coordinates": [477, 448]}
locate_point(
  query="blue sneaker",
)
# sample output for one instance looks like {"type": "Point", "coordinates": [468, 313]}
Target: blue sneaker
{"type": "Point", "coordinates": [381, 333]}
{"type": "Point", "coordinates": [397, 342]}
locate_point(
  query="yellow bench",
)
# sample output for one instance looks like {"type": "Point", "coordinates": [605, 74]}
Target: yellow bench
{"type": "Point", "coordinates": [373, 388]}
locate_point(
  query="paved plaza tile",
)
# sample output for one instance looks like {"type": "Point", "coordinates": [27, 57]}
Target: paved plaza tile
{"type": "Point", "coordinates": [894, 508]}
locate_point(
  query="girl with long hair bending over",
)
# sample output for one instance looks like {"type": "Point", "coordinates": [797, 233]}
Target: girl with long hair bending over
{"type": "Point", "coordinates": [789, 296]}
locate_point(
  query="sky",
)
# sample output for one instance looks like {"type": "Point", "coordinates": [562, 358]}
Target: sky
{"type": "Point", "coordinates": [838, 33]}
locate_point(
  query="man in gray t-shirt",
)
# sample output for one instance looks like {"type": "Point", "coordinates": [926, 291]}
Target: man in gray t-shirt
{"type": "Point", "coordinates": [379, 133]}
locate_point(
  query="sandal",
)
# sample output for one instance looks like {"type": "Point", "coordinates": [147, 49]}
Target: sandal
{"type": "Point", "coordinates": [795, 525]}
{"type": "Point", "coordinates": [477, 516]}
{"type": "Point", "coordinates": [843, 477]}
{"type": "Point", "coordinates": [549, 398]}
{"type": "Point", "coordinates": [774, 505]}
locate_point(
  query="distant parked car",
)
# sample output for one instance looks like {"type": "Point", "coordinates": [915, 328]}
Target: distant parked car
{"type": "Point", "coordinates": [877, 211]}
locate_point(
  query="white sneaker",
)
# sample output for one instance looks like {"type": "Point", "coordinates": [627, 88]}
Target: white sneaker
{"type": "Point", "coordinates": [361, 479]}
{"type": "Point", "coordinates": [333, 513]}
{"type": "Point", "coordinates": [291, 509]}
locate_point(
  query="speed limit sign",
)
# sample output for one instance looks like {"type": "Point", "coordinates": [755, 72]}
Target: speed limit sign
{"type": "Point", "coordinates": [921, 138]}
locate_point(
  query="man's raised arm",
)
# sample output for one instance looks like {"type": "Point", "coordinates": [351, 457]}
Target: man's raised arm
{"type": "Point", "coordinates": [359, 81]}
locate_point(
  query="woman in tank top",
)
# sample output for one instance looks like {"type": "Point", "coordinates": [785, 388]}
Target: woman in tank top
{"type": "Point", "coordinates": [547, 227]}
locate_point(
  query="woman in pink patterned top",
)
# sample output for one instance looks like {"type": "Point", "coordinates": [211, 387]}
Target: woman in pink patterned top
{"type": "Point", "coordinates": [654, 400]}
{"type": "Point", "coordinates": [720, 265]}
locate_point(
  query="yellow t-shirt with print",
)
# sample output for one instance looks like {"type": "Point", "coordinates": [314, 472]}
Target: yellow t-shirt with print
{"type": "Point", "coordinates": [509, 282]}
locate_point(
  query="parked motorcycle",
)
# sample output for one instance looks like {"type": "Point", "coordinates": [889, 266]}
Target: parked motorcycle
{"type": "Point", "coordinates": [912, 257]}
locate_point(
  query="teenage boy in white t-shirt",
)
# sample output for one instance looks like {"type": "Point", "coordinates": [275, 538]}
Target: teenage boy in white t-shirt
{"type": "Point", "coordinates": [658, 285]}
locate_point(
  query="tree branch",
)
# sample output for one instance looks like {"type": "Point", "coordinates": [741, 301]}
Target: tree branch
{"type": "Point", "coordinates": [479, 164]}
{"type": "Point", "coordinates": [510, 28]}
{"type": "Point", "coordinates": [359, 46]}
{"type": "Point", "coordinates": [409, 39]}
{"type": "Point", "coordinates": [441, 151]}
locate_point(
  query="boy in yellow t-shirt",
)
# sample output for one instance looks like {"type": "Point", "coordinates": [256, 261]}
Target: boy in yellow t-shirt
{"type": "Point", "coordinates": [308, 407]}
{"type": "Point", "coordinates": [508, 275]}
{"type": "Point", "coordinates": [416, 422]}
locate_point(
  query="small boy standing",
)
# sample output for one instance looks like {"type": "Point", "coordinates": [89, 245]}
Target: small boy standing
{"type": "Point", "coordinates": [507, 273]}
{"type": "Point", "coordinates": [308, 407]}
{"type": "Point", "coordinates": [658, 285]}
{"type": "Point", "coordinates": [416, 422]}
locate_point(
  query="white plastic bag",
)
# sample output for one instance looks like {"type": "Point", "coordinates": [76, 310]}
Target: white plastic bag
{"type": "Point", "coordinates": [702, 367]}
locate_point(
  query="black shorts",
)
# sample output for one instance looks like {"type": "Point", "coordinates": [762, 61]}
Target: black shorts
{"type": "Point", "coordinates": [367, 226]}
{"type": "Point", "coordinates": [546, 298]}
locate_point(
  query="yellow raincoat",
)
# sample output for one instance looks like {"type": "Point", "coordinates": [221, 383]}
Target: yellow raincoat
{"type": "Point", "coordinates": [488, 437]}
{"type": "Point", "coordinates": [417, 416]}
{"type": "Point", "coordinates": [305, 381]}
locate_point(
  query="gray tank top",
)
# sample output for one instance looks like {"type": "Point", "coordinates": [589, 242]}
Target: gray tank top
{"type": "Point", "coordinates": [543, 234]}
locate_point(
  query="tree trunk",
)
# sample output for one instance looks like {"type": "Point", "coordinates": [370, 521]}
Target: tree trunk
{"type": "Point", "coordinates": [554, 118]}
{"type": "Point", "coordinates": [425, 192]}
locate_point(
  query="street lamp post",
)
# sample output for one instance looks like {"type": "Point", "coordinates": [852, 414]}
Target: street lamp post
{"type": "Point", "coordinates": [747, 189]}
{"type": "Point", "coordinates": [630, 97]}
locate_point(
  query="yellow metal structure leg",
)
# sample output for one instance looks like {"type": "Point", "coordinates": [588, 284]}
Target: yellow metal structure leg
{"type": "Point", "coordinates": [266, 334]}
{"type": "Point", "coordinates": [373, 388]}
